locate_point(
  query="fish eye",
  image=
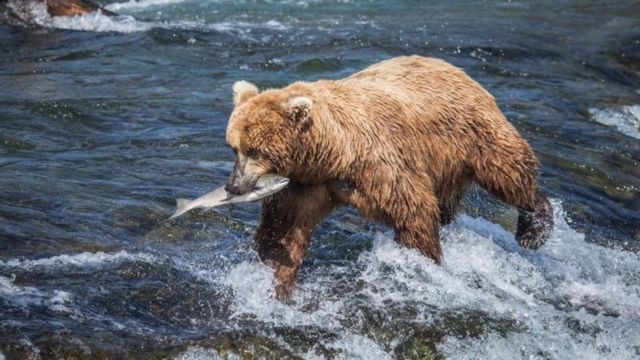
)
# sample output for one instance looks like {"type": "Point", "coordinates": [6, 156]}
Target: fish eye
{"type": "Point", "coordinates": [253, 153]}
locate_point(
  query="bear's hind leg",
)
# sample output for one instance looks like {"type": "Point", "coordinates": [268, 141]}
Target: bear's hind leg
{"type": "Point", "coordinates": [449, 208]}
{"type": "Point", "coordinates": [508, 170]}
{"type": "Point", "coordinates": [534, 226]}
{"type": "Point", "coordinates": [288, 219]}
{"type": "Point", "coordinates": [451, 192]}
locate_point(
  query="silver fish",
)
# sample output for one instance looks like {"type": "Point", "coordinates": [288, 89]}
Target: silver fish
{"type": "Point", "coordinates": [265, 186]}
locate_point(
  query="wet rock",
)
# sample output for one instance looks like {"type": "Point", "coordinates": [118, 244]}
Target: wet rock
{"type": "Point", "coordinates": [628, 53]}
{"type": "Point", "coordinates": [580, 327]}
{"type": "Point", "coordinates": [309, 338]}
{"type": "Point", "coordinates": [421, 346]}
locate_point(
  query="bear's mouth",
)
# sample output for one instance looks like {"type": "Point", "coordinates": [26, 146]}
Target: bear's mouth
{"type": "Point", "coordinates": [242, 180]}
{"type": "Point", "coordinates": [230, 195]}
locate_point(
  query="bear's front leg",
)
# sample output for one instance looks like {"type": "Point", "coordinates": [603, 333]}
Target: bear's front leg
{"type": "Point", "coordinates": [288, 219]}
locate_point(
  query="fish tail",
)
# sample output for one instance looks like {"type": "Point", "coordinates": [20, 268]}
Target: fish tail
{"type": "Point", "coordinates": [181, 208]}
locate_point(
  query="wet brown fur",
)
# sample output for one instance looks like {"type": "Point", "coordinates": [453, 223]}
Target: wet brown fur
{"type": "Point", "coordinates": [401, 141]}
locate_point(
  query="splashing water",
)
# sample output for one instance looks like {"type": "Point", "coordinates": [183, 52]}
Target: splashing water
{"type": "Point", "coordinates": [140, 4]}
{"type": "Point", "coordinates": [85, 259]}
{"type": "Point", "coordinates": [569, 297]}
{"type": "Point", "coordinates": [625, 119]}
{"type": "Point", "coordinates": [26, 297]}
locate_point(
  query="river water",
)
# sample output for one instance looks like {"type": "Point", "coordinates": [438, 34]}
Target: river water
{"type": "Point", "coordinates": [105, 121]}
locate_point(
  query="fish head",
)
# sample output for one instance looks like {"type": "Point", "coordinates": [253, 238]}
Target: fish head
{"type": "Point", "coordinates": [267, 185]}
{"type": "Point", "coordinates": [272, 182]}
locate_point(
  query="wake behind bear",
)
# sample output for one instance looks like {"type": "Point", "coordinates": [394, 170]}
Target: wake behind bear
{"type": "Point", "coordinates": [400, 141]}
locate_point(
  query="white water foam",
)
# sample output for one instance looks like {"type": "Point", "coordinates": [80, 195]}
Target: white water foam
{"type": "Point", "coordinates": [60, 301]}
{"type": "Point", "coordinates": [625, 119]}
{"type": "Point", "coordinates": [26, 296]}
{"type": "Point", "coordinates": [126, 24]}
{"type": "Point", "coordinates": [85, 259]}
{"type": "Point", "coordinates": [569, 297]}
{"type": "Point", "coordinates": [140, 4]}
{"type": "Point", "coordinates": [98, 22]}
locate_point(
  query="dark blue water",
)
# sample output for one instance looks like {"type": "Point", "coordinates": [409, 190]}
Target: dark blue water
{"type": "Point", "coordinates": [104, 122]}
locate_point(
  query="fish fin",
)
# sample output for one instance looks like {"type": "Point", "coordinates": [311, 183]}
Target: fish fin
{"type": "Point", "coordinates": [181, 208]}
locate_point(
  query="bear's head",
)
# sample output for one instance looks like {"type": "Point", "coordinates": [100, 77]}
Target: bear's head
{"type": "Point", "coordinates": [264, 131]}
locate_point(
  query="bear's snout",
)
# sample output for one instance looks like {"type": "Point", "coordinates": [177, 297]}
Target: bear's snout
{"type": "Point", "coordinates": [240, 182]}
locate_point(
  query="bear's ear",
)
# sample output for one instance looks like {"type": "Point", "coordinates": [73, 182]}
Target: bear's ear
{"type": "Point", "coordinates": [299, 110]}
{"type": "Point", "coordinates": [243, 91]}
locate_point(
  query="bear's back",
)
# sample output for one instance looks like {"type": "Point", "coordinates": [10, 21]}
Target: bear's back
{"type": "Point", "coordinates": [429, 76]}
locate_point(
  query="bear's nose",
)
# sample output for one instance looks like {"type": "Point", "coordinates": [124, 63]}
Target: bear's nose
{"type": "Point", "coordinates": [232, 189]}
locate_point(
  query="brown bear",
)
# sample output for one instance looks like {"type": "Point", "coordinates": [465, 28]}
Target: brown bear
{"type": "Point", "coordinates": [400, 141]}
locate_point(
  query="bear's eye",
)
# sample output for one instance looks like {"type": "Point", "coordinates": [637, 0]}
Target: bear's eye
{"type": "Point", "coordinates": [253, 153]}
{"type": "Point", "coordinates": [235, 151]}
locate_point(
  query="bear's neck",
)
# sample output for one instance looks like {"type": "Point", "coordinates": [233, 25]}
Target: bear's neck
{"type": "Point", "coordinates": [334, 147]}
